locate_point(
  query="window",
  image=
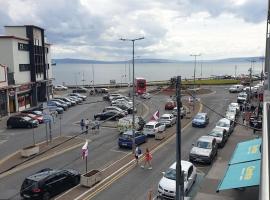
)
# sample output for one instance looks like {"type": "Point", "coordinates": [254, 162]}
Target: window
{"type": "Point", "coordinates": [190, 170]}
{"type": "Point", "coordinates": [23, 47]}
{"type": "Point", "coordinates": [24, 67]}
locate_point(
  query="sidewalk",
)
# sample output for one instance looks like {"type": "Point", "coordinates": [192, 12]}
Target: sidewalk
{"type": "Point", "coordinates": [210, 183]}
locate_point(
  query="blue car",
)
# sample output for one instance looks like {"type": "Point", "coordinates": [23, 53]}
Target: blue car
{"type": "Point", "coordinates": [200, 120]}
{"type": "Point", "coordinates": [126, 139]}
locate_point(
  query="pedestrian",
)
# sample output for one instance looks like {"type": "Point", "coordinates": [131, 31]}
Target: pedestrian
{"type": "Point", "coordinates": [138, 152]}
{"type": "Point", "coordinates": [86, 122]}
{"type": "Point", "coordinates": [82, 124]}
{"type": "Point", "coordinates": [147, 159]}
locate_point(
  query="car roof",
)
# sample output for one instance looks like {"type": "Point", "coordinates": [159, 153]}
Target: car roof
{"type": "Point", "coordinates": [152, 123]}
{"type": "Point", "coordinates": [224, 120]}
{"type": "Point", "coordinates": [166, 115]}
{"type": "Point", "coordinates": [184, 164]}
{"type": "Point", "coordinates": [234, 104]}
{"type": "Point", "coordinates": [42, 175]}
{"type": "Point", "coordinates": [206, 138]}
{"type": "Point", "coordinates": [218, 129]}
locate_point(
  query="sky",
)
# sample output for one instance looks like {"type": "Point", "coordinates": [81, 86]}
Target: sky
{"type": "Point", "coordinates": [172, 29]}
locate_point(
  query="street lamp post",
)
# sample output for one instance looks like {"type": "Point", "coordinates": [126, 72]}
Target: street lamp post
{"type": "Point", "coordinates": [133, 86]}
{"type": "Point", "coordinates": [194, 76]}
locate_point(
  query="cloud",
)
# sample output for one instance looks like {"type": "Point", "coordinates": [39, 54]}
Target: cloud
{"type": "Point", "coordinates": [172, 29]}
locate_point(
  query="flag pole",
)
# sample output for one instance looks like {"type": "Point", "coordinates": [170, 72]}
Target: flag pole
{"type": "Point", "coordinates": [86, 165]}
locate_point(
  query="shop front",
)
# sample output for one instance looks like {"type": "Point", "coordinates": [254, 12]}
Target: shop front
{"type": "Point", "coordinates": [3, 102]}
{"type": "Point", "coordinates": [24, 96]}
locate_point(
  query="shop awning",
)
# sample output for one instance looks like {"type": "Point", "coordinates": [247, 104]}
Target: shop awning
{"type": "Point", "coordinates": [244, 166]}
{"type": "Point", "coordinates": [247, 151]}
{"type": "Point", "coordinates": [241, 175]}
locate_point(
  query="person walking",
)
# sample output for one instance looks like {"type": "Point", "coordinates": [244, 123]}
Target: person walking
{"type": "Point", "coordinates": [86, 122]}
{"type": "Point", "coordinates": [138, 152]}
{"type": "Point", "coordinates": [82, 124]}
{"type": "Point", "coordinates": [147, 159]}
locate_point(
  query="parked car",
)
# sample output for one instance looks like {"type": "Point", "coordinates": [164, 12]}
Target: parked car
{"type": "Point", "coordinates": [60, 87]}
{"type": "Point", "coordinates": [113, 96]}
{"type": "Point", "coordinates": [83, 97]}
{"type": "Point", "coordinates": [39, 118]}
{"type": "Point", "coordinates": [67, 100]}
{"type": "Point", "coordinates": [167, 184]}
{"type": "Point", "coordinates": [106, 97]}
{"type": "Point", "coordinates": [221, 136]}
{"type": "Point", "coordinates": [122, 101]}
{"type": "Point", "coordinates": [21, 121]}
{"type": "Point", "coordinates": [230, 115]}
{"type": "Point", "coordinates": [153, 127]}
{"type": "Point", "coordinates": [204, 150]}
{"type": "Point", "coordinates": [129, 109]}
{"type": "Point", "coordinates": [56, 103]}
{"type": "Point", "coordinates": [255, 122]}
{"type": "Point", "coordinates": [112, 115]}
{"type": "Point", "coordinates": [242, 97]}
{"type": "Point", "coordinates": [68, 103]}
{"type": "Point", "coordinates": [76, 99]}
{"type": "Point", "coordinates": [80, 90]}
{"type": "Point", "coordinates": [225, 124]}
{"type": "Point", "coordinates": [35, 112]}
{"type": "Point", "coordinates": [126, 139]}
{"type": "Point", "coordinates": [48, 183]}
{"type": "Point", "coordinates": [146, 96]}
{"type": "Point", "coordinates": [200, 120]}
{"type": "Point", "coordinates": [234, 107]}
{"type": "Point", "coordinates": [167, 119]}
{"type": "Point", "coordinates": [115, 108]}
{"type": "Point", "coordinates": [236, 88]}
{"type": "Point", "coordinates": [183, 112]}
{"type": "Point", "coordinates": [125, 123]}
{"type": "Point", "coordinates": [52, 108]}
{"type": "Point", "coordinates": [170, 105]}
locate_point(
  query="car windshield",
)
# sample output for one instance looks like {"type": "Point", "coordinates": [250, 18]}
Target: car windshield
{"type": "Point", "coordinates": [170, 174]}
{"type": "Point", "coordinates": [149, 126]}
{"type": "Point", "coordinates": [231, 109]}
{"type": "Point", "coordinates": [126, 136]}
{"type": "Point", "coordinates": [199, 117]}
{"type": "Point", "coordinates": [26, 118]}
{"type": "Point", "coordinates": [203, 144]}
{"type": "Point", "coordinates": [222, 124]}
{"type": "Point", "coordinates": [243, 95]}
{"type": "Point", "coordinates": [215, 133]}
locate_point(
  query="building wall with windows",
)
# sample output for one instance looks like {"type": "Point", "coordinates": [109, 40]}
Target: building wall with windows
{"type": "Point", "coordinates": [24, 51]}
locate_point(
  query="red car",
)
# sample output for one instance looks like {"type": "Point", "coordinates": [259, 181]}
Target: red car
{"type": "Point", "coordinates": [39, 118]}
{"type": "Point", "coordinates": [170, 105]}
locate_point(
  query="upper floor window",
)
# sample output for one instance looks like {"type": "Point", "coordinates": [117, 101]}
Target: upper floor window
{"type": "Point", "coordinates": [24, 67]}
{"type": "Point", "coordinates": [23, 47]}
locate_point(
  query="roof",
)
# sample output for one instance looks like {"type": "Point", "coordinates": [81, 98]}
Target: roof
{"type": "Point", "coordinates": [184, 164]}
{"type": "Point", "coordinates": [206, 138]}
{"type": "Point", "coordinates": [151, 123]}
{"type": "Point", "coordinates": [26, 26]}
{"type": "Point", "coordinates": [41, 175]}
{"type": "Point", "coordinates": [218, 129]}
{"type": "Point", "coordinates": [13, 37]}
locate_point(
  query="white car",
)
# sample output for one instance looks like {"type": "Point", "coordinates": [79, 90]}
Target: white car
{"type": "Point", "coordinates": [153, 127]}
{"type": "Point", "coordinates": [230, 115]}
{"type": "Point", "coordinates": [225, 124]}
{"type": "Point", "coordinates": [167, 119]}
{"type": "Point", "coordinates": [60, 87]}
{"type": "Point", "coordinates": [183, 112]}
{"type": "Point", "coordinates": [234, 105]}
{"type": "Point", "coordinates": [167, 184]}
{"type": "Point", "coordinates": [236, 88]}
{"type": "Point", "coordinates": [146, 96]}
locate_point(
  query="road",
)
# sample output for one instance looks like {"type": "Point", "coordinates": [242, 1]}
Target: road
{"type": "Point", "coordinates": [138, 182]}
{"type": "Point", "coordinates": [103, 148]}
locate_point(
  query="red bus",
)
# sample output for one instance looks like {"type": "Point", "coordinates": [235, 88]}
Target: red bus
{"type": "Point", "coordinates": [140, 84]}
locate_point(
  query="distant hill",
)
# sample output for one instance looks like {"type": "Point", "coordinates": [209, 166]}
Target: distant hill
{"type": "Point", "coordinates": [85, 61]}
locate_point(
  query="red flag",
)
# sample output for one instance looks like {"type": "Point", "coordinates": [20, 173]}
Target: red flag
{"type": "Point", "coordinates": [85, 150]}
{"type": "Point", "coordinates": [155, 116]}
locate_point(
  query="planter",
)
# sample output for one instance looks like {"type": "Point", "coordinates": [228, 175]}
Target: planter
{"type": "Point", "coordinates": [29, 151]}
{"type": "Point", "coordinates": [91, 178]}
{"type": "Point", "coordinates": [160, 135]}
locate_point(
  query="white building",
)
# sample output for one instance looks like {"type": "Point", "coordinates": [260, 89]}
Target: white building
{"type": "Point", "coordinates": [27, 57]}
{"type": "Point", "coordinates": [3, 90]}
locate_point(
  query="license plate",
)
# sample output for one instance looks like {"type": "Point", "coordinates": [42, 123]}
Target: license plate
{"type": "Point", "coordinates": [124, 144]}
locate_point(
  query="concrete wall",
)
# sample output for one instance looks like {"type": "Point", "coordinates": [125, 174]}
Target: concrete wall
{"type": "Point", "coordinates": [16, 31]}
{"type": "Point", "coordinates": [6, 55]}
{"type": "Point", "coordinates": [3, 76]}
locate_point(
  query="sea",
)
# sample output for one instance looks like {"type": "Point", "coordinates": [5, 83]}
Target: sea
{"type": "Point", "coordinates": [85, 74]}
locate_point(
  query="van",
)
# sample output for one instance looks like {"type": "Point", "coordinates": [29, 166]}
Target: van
{"type": "Point", "coordinates": [125, 123]}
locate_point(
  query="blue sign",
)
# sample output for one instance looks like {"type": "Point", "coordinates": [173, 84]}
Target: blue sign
{"type": "Point", "coordinates": [47, 118]}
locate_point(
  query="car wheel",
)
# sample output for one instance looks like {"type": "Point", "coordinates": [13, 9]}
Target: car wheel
{"type": "Point", "coordinates": [9, 126]}
{"type": "Point", "coordinates": [29, 126]}
{"type": "Point", "coordinates": [46, 196]}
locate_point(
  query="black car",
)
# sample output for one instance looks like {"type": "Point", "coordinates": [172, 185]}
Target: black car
{"type": "Point", "coordinates": [21, 121]}
{"type": "Point", "coordinates": [124, 107]}
{"type": "Point", "coordinates": [80, 90]}
{"type": "Point", "coordinates": [48, 183]}
{"type": "Point", "coordinates": [112, 115]}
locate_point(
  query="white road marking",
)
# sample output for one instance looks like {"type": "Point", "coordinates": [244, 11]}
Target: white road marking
{"type": "Point", "coordinates": [119, 151]}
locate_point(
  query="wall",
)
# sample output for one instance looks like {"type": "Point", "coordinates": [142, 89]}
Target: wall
{"type": "Point", "coordinates": [16, 31]}
{"type": "Point", "coordinates": [3, 77]}
{"type": "Point", "coordinates": [6, 55]}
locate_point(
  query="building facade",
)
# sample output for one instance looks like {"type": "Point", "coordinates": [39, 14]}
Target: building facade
{"type": "Point", "coordinates": [26, 56]}
{"type": "Point", "coordinates": [3, 91]}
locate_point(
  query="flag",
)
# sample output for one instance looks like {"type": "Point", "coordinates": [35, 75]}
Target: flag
{"type": "Point", "coordinates": [85, 150]}
{"type": "Point", "coordinates": [155, 116]}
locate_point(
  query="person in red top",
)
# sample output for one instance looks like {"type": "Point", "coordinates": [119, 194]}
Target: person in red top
{"type": "Point", "coordinates": [147, 159]}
